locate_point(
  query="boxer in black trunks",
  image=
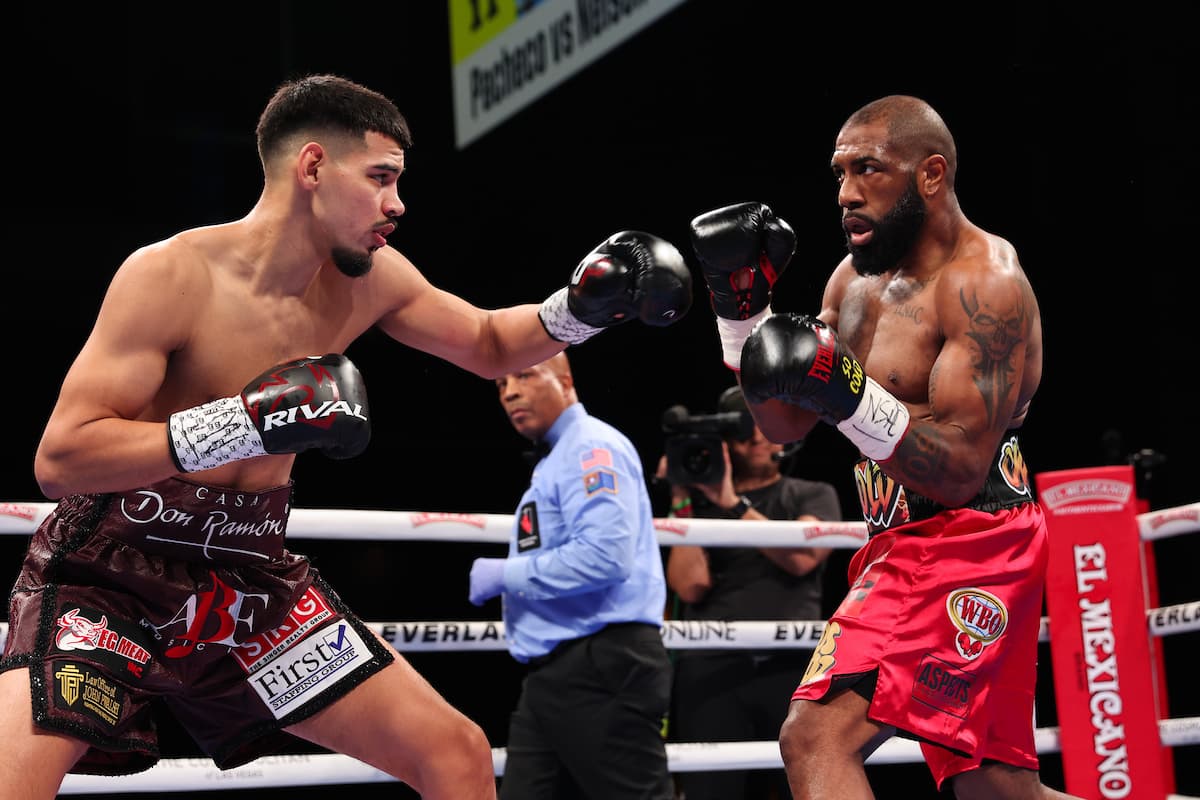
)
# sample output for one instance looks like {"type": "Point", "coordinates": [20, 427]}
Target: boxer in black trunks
{"type": "Point", "coordinates": [162, 572]}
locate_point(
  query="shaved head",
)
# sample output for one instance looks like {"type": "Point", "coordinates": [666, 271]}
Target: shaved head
{"type": "Point", "coordinates": [558, 365]}
{"type": "Point", "coordinates": [915, 131]}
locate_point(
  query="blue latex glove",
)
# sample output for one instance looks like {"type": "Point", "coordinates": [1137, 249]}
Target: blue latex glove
{"type": "Point", "coordinates": [487, 579]}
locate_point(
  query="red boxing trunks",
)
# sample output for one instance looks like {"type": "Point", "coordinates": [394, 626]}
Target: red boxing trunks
{"type": "Point", "coordinates": [948, 610]}
{"type": "Point", "coordinates": [184, 594]}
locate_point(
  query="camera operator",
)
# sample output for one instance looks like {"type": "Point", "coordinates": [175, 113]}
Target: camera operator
{"type": "Point", "coordinates": [740, 695]}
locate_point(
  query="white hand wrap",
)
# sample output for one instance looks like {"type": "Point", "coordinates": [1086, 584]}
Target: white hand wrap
{"type": "Point", "coordinates": [213, 434]}
{"type": "Point", "coordinates": [734, 333]}
{"type": "Point", "coordinates": [560, 323]}
{"type": "Point", "coordinates": [878, 424]}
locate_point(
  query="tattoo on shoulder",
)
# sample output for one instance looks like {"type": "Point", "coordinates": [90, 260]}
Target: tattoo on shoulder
{"type": "Point", "coordinates": [997, 326]}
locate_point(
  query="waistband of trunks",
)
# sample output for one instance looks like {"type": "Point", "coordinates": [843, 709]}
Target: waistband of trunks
{"type": "Point", "coordinates": [887, 504]}
{"type": "Point", "coordinates": [205, 524]}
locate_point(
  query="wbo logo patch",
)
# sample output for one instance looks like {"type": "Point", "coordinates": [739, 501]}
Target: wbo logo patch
{"type": "Point", "coordinates": [980, 618]}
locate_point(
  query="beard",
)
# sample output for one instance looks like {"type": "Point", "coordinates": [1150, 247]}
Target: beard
{"type": "Point", "coordinates": [893, 235]}
{"type": "Point", "coordinates": [352, 263]}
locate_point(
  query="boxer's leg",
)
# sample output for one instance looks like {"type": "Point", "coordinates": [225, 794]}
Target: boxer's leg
{"type": "Point", "coordinates": [34, 762]}
{"type": "Point", "coordinates": [396, 721]}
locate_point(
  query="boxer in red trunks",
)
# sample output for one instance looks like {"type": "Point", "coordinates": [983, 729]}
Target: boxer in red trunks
{"type": "Point", "coordinates": [162, 573]}
{"type": "Point", "coordinates": [926, 354]}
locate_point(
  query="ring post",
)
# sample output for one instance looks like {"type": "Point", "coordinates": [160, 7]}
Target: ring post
{"type": "Point", "coordinates": [1100, 645]}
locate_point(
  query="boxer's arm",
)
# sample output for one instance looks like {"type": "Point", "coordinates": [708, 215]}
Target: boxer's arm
{"type": "Point", "coordinates": [487, 342]}
{"type": "Point", "coordinates": [630, 275]}
{"type": "Point", "coordinates": [94, 440]}
{"type": "Point", "coordinates": [987, 319]}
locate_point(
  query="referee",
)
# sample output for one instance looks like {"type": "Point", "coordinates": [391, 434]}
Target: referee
{"type": "Point", "coordinates": [583, 596]}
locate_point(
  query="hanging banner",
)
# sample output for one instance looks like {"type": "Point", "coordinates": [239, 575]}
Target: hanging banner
{"type": "Point", "coordinates": [507, 53]}
{"type": "Point", "coordinates": [1099, 640]}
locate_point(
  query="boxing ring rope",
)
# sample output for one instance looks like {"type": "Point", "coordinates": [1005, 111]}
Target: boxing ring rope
{"type": "Point", "coordinates": [199, 774]}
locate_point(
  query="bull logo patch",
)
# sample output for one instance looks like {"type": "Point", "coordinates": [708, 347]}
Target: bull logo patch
{"type": "Point", "coordinates": [116, 644]}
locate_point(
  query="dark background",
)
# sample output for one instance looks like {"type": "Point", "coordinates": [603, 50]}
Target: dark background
{"type": "Point", "coordinates": [1075, 137]}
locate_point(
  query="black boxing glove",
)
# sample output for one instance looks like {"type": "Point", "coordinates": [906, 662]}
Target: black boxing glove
{"type": "Point", "coordinates": [630, 274]}
{"type": "Point", "coordinates": [800, 360]}
{"type": "Point", "coordinates": [743, 249]}
{"type": "Point", "coordinates": [310, 403]}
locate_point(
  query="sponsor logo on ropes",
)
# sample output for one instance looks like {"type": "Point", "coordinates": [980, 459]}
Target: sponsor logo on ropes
{"type": "Point", "coordinates": [980, 618]}
{"type": "Point", "coordinates": [18, 510]}
{"type": "Point", "coordinates": [671, 525]}
{"type": "Point", "coordinates": [1173, 616]}
{"type": "Point", "coordinates": [818, 530]}
{"type": "Point", "coordinates": [428, 517]}
{"type": "Point", "coordinates": [438, 632]}
{"type": "Point", "coordinates": [698, 631]}
{"type": "Point", "coordinates": [1100, 665]}
{"type": "Point", "coordinates": [1187, 514]}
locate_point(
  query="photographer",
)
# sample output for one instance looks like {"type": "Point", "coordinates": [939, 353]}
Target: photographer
{"type": "Point", "coordinates": [738, 695]}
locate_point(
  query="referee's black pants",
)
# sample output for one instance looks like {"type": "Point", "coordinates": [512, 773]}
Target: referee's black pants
{"type": "Point", "coordinates": [588, 723]}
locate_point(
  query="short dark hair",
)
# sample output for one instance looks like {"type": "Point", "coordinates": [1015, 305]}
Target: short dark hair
{"type": "Point", "coordinates": [328, 103]}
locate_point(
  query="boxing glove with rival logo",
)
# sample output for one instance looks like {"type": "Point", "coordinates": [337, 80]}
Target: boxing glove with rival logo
{"type": "Point", "coordinates": [318, 402]}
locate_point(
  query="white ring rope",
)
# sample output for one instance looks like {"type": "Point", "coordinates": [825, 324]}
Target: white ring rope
{"type": "Point", "coordinates": [434, 526]}
{"type": "Point", "coordinates": [170, 775]}
{"type": "Point", "coordinates": [199, 774]}
{"type": "Point", "coordinates": [485, 635]}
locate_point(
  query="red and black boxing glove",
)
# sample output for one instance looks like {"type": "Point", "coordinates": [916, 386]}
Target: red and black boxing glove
{"type": "Point", "coordinates": [319, 402]}
{"type": "Point", "coordinates": [743, 249]}
{"type": "Point", "coordinates": [800, 360]}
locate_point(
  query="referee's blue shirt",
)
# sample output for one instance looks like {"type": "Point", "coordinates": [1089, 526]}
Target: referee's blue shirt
{"type": "Point", "coordinates": [584, 552]}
